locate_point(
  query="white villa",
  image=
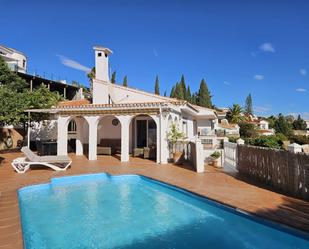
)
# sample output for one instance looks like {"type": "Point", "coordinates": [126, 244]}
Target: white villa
{"type": "Point", "coordinates": [122, 120]}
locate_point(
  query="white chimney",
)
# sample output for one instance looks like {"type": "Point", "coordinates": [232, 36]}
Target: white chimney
{"type": "Point", "coordinates": [101, 63]}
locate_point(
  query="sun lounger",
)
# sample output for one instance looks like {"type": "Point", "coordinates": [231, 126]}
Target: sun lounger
{"type": "Point", "coordinates": [22, 164]}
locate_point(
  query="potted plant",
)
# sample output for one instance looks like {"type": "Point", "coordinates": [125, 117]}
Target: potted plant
{"type": "Point", "coordinates": [174, 135]}
{"type": "Point", "coordinates": [215, 158]}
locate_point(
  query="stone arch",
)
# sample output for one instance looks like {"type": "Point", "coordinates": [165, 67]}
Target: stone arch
{"type": "Point", "coordinates": [109, 135]}
{"type": "Point", "coordinates": [77, 135]}
{"type": "Point", "coordinates": [144, 133]}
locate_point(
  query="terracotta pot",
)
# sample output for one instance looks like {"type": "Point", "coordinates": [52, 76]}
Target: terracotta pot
{"type": "Point", "coordinates": [215, 163]}
{"type": "Point", "coordinates": [177, 157]}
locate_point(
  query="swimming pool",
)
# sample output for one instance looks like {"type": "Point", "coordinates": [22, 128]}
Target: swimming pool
{"type": "Point", "coordinates": [131, 211]}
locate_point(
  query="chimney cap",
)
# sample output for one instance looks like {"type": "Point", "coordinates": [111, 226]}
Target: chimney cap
{"type": "Point", "coordinates": [105, 50]}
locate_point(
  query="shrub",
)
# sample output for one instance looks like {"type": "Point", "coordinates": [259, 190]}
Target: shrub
{"type": "Point", "coordinates": [299, 139]}
{"type": "Point", "coordinates": [216, 155]}
{"type": "Point", "coordinates": [247, 130]}
{"type": "Point", "coordinates": [275, 141]}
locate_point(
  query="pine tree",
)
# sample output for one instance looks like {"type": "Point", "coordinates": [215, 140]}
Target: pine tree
{"type": "Point", "coordinates": [157, 89]}
{"type": "Point", "coordinates": [203, 96]}
{"type": "Point", "coordinates": [183, 88]}
{"type": "Point", "coordinates": [172, 94]}
{"type": "Point", "coordinates": [179, 93]}
{"type": "Point", "coordinates": [248, 105]}
{"type": "Point", "coordinates": [113, 80]}
{"type": "Point", "coordinates": [164, 93]}
{"type": "Point", "coordinates": [193, 99]}
{"type": "Point", "coordinates": [125, 81]}
{"type": "Point", "coordinates": [299, 124]}
{"type": "Point", "coordinates": [188, 95]}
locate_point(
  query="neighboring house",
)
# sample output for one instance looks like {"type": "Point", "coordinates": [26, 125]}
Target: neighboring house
{"type": "Point", "coordinates": [262, 125]}
{"type": "Point", "coordinates": [17, 61]}
{"type": "Point", "coordinates": [307, 123]}
{"type": "Point", "coordinates": [123, 120]}
{"type": "Point", "coordinates": [227, 129]}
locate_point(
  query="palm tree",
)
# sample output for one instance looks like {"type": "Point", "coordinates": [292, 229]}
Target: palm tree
{"type": "Point", "coordinates": [234, 114]}
{"type": "Point", "coordinates": [91, 76]}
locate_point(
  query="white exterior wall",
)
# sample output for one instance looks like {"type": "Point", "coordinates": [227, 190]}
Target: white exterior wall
{"type": "Point", "coordinates": [204, 124]}
{"type": "Point", "coordinates": [13, 57]}
{"type": "Point", "coordinates": [119, 94]}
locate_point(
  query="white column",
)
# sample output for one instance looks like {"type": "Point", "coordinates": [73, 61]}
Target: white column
{"type": "Point", "coordinates": [62, 135]}
{"type": "Point", "coordinates": [125, 126]}
{"type": "Point", "coordinates": [163, 140]}
{"type": "Point", "coordinates": [199, 160]}
{"type": "Point", "coordinates": [79, 137]}
{"type": "Point", "coordinates": [93, 136]}
{"type": "Point", "coordinates": [156, 118]}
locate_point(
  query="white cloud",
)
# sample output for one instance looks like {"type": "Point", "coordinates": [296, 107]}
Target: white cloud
{"type": "Point", "coordinates": [226, 83]}
{"type": "Point", "coordinates": [267, 47]}
{"type": "Point", "coordinates": [303, 71]}
{"type": "Point", "coordinates": [73, 64]}
{"type": "Point", "coordinates": [155, 52]}
{"type": "Point", "coordinates": [258, 77]}
{"type": "Point", "coordinates": [262, 109]}
{"type": "Point", "coordinates": [301, 90]}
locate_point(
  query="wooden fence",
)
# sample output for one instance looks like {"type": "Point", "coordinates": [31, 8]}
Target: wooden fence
{"type": "Point", "coordinates": [282, 170]}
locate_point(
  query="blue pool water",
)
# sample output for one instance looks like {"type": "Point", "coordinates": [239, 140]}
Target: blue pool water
{"type": "Point", "coordinates": [102, 211]}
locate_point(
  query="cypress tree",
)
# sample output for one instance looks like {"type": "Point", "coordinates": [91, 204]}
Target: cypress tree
{"type": "Point", "coordinates": [125, 81]}
{"type": "Point", "coordinates": [248, 105]}
{"type": "Point", "coordinates": [164, 93]}
{"type": "Point", "coordinates": [172, 94]}
{"type": "Point", "coordinates": [183, 88]}
{"type": "Point", "coordinates": [157, 89]}
{"type": "Point", "coordinates": [179, 94]}
{"type": "Point", "coordinates": [188, 95]}
{"type": "Point", "coordinates": [113, 80]}
{"type": "Point", "coordinates": [203, 96]}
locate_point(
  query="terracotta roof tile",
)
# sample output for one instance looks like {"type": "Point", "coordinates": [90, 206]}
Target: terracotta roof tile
{"type": "Point", "coordinates": [74, 103]}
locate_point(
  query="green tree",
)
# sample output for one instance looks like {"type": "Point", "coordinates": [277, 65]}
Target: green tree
{"type": "Point", "coordinates": [91, 76]}
{"type": "Point", "coordinates": [299, 124]}
{"type": "Point", "coordinates": [203, 96]}
{"type": "Point", "coordinates": [172, 94]}
{"type": "Point", "coordinates": [179, 94]}
{"type": "Point", "coordinates": [183, 88]}
{"type": "Point", "coordinates": [283, 126]}
{"type": "Point", "coordinates": [194, 98]}
{"type": "Point", "coordinates": [125, 81]}
{"type": "Point", "coordinates": [113, 80]}
{"type": "Point", "coordinates": [234, 114]}
{"type": "Point", "coordinates": [157, 89]}
{"type": "Point", "coordinates": [188, 95]}
{"type": "Point", "coordinates": [247, 130]}
{"type": "Point", "coordinates": [10, 78]}
{"type": "Point", "coordinates": [15, 98]}
{"type": "Point", "coordinates": [248, 105]}
{"type": "Point", "coordinates": [271, 121]}
{"type": "Point", "coordinates": [164, 93]}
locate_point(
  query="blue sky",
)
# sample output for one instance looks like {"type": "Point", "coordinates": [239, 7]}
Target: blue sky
{"type": "Point", "coordinates": [239, 47]}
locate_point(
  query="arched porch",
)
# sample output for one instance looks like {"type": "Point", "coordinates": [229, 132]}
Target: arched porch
{"type": "Point", "coordinates": [145, 137]}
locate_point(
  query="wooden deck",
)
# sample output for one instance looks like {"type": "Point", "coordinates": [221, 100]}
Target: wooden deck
{"type": "Point", "coordinates": [213, 184]}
